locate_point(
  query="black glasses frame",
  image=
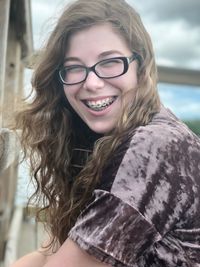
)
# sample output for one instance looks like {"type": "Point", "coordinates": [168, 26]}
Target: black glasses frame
{"type": "Point", "coordinates": [126, 61]}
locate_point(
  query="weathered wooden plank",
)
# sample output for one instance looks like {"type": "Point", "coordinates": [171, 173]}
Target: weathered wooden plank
{"type": "Point", "coordinates": [25, 236]}
{"type": "Point", "coordinates": [8, 180]}
{"type": "Point", "coordinates": [13, 237]}
{"type": "Point", "coordinates": [15, 43]}
{"type": "Point", "coordinates": [19, 44]}
{"type": "Point", "coordinates": [12, 78]}
{"type": "Point", "coordinates": [29, 31]}
{"type": "Point", "coordinates": [9, 148]}
{"type": "Point", "coordinates": [4, 22]}
{"type": "Point", "coordinates": [179, 76]}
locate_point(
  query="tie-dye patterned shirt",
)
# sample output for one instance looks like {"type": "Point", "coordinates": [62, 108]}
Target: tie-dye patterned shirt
{"type": "Point", "coordinates": [150, 216]}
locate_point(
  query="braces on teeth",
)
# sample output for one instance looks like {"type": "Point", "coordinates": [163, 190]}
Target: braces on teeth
{"type": "Point", "coordinates": [100, 105]}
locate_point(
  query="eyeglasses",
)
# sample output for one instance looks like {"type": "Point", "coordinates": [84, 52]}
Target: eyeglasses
{"type": "Point", "coordinates": [106, 69]}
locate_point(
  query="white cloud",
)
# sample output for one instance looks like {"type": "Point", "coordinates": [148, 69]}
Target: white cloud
{"type": "Point", "coordinates": [176, 44]}
{"type": "Point", "coordinates": [171, 10]}
{"type": "Point", "coordinates": [174, 26]}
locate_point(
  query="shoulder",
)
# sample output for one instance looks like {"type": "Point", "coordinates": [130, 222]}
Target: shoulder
{"type": "Point", "coordinates": [162, 155]}
{"type": "Point", "coordinates": [164, 132]}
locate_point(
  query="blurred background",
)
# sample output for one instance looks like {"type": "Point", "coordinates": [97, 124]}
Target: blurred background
{"type": "Point", "coordinates": [25, 25]}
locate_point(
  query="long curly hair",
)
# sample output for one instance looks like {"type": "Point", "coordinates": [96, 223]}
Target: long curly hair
{"type": "Point", "coordinates": [52, 132]}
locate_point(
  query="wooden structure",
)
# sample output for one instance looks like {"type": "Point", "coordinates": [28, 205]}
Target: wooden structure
{"type": "Point", "coordinates": [23, 231]}
{"type": "Point", "coordinates": [179, 76]}
{"type": "Point", "coordinates": [15, 44]}
{"type": "Point", "coordinates": [8, 174]}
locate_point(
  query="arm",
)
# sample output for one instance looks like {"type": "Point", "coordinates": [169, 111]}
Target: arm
{"type": "Point", "coordinates": [34, 259]}
{"type": "Point", "coordinates": [70, 255]}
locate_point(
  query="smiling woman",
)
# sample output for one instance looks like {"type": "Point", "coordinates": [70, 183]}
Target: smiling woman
{"type": "Point", "coordinates": [117, 172]}
{"type": "Point", "coordinates": [99, 104]}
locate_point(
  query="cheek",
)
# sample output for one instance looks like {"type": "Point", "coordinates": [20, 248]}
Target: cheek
{"type": "Point", "coordinates": [70, 93]}
{"type": "Point", "coordinates": [129, 80]}
{"type": "Point", "coordinates": [129, 83]}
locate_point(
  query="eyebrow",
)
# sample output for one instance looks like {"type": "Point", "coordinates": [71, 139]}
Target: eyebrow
{"type": "Point", "coordinates": [102, 55]}
{"type": "Point", "coordinates": [108, 53]}
{"type": "Point", "coordinates": [71, 59]}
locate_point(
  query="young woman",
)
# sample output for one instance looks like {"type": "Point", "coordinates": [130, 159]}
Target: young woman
{"type": "Point", "coordinates": [118, 173]}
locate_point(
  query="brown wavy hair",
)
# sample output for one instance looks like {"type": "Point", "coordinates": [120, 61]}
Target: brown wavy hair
{"type": "Point", "coordinates": [49, 125]}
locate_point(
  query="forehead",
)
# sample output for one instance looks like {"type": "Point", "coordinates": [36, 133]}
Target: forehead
{"type": "Point", "coordinates": [95, 40]}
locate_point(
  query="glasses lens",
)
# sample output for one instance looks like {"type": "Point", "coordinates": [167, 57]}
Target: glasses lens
{"type": "Point", "coordinates": [73, 74]}
{"type": "Point", "coordinates": [109, 68]}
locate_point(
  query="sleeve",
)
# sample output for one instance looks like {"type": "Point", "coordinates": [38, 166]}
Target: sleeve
{"type": "Point", "coordinates": [151, 195]}
{"type": "Point", "coordinates": [112, 231]}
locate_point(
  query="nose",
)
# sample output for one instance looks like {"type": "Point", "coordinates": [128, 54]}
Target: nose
{"type": "Point", "coordinates": [93, 82]}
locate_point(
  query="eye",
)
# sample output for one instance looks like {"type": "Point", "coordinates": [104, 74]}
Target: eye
{"type": "Point", "coordinates": [112, 62]}
{"type": "Point", "coordinates": [74, 69]}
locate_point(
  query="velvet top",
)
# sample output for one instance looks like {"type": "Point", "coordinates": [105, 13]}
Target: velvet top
{"type": "Point", "coordinates": [149, 215]}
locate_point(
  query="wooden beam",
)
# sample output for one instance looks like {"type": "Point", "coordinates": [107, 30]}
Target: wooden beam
{"type": "Point", "coordinates": [12, 78]}
{"type": "Point", "coordinates": [11, 253]}
{"type": "Point", "coordinates": [4, 24]}
{"type": "Point", "coordinates": [8, 148]}
{"type": "Point", "coordinates": [179, 76]}
{"type": "Point", "coordinates": [29, 29]}
{"type": "Point", "coordinates": [20, 17]}
{"type": "Point", "coordinates": [8, 179]}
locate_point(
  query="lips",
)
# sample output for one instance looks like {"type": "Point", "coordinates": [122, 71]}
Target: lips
{"type": "Point", "coordinates": [100, 104]}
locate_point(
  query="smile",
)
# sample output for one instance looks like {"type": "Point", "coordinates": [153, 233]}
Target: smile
{"type": "Point", "coordinates": [100, 105]}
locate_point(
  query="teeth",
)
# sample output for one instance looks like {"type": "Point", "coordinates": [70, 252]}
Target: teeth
{"type": "Point", "coordinates": [100, 104]}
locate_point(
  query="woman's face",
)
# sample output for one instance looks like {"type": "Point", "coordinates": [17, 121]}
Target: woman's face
{"type": "Point", "coordinates": [98, 101]}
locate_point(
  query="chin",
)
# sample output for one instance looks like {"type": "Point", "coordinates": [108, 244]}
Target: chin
{"type": "Point", "coordinates": [101, 130]}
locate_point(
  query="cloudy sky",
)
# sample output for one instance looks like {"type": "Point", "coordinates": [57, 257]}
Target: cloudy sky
{"type": "Point", "coordinates": [174, 26]}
